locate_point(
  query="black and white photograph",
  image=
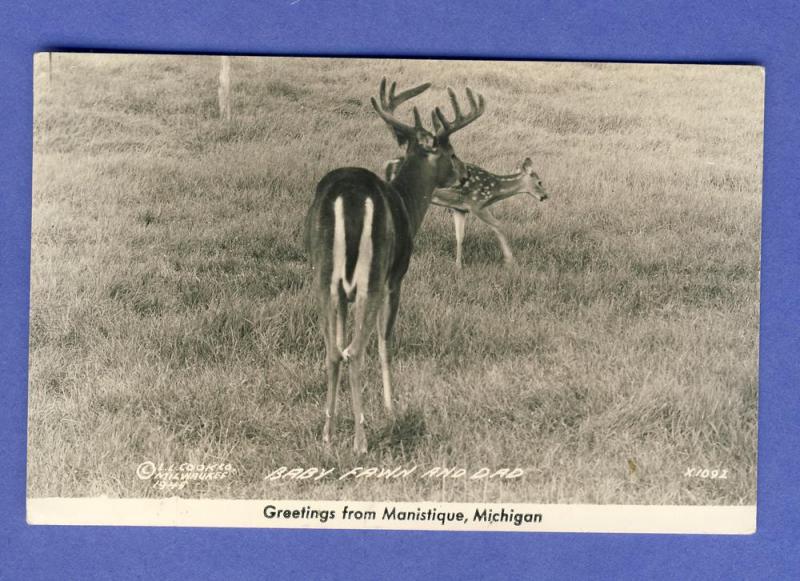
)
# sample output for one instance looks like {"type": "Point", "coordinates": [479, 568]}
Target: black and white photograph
{"type": "Point", "coordinates": [385, 293]}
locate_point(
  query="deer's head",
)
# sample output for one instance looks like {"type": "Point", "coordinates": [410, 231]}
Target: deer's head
{"type": "Point", "coordinates": [531, 183]}
{"type": "Point", "coordinates": [429, 152]}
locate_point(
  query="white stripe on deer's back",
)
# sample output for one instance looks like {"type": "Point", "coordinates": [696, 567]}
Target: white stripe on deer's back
{"type": "Point", "coordinates": [360, 280]}
{"type": "Point", "coordinates": [339, 254]}
{"type": "Point", "coordinates": [361, 274]}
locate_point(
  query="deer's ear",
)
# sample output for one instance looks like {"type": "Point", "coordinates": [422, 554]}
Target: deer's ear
{"type": "Point", "coordinates": [437, 124]}
{"type": "Point", "coordinates": [527, 165]}
{"type": "Point", "coordinates": [399, 136]}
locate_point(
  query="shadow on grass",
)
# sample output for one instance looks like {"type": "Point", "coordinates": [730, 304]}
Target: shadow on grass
{"type": "Point", "coordinates": [388, 439]}
{"type": "Point", "coordinates": [400, 437]}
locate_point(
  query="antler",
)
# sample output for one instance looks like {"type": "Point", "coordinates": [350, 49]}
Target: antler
{"type": "Point", "coordinates": [395, 100]}
{"type": "Point", "coordinates": [445, 128]}
{"type": "Point", "coordinates": [389, 103]}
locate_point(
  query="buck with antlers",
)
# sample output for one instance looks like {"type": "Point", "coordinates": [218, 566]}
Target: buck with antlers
{"type": "Point", "coordinates": [478, 190]}
{"type": "Point", "coordinates": [359, 236]}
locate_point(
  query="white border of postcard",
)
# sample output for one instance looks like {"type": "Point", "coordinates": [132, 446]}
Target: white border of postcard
{"type": "Point", "coordinates": [393, 515]}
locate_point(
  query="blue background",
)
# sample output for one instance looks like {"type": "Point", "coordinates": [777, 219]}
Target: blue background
{"type": "Point", "coordinates": [629, 30]}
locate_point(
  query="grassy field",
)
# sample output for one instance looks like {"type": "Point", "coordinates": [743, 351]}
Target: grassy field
{"type": "Point", "coordinates": [172, 318]}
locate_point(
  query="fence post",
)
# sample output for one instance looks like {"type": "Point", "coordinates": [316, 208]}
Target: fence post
{"type": "Point", "coordinates": [225, 89]}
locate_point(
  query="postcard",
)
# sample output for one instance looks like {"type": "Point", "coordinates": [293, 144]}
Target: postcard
{"type": "Point", "coordinates": [343, 293]}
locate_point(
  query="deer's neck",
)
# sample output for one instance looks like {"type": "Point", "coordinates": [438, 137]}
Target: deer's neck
{"type": "Point", "coordinates": [415, 184]}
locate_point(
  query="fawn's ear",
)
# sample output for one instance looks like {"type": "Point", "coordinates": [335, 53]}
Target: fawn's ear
{"type": "Point", "coordinates": [527, 166]}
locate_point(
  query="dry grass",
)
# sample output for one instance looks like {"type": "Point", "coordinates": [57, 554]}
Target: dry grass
{"type": "Point", "coordinates": [172, 320]}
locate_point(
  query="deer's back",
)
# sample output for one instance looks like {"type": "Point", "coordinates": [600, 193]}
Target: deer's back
{"type": "Point", "coordinates": [389, 222]}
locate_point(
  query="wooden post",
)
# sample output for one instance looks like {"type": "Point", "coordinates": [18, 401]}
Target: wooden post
{"type": "Point", "coordinates": [225, 89]}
